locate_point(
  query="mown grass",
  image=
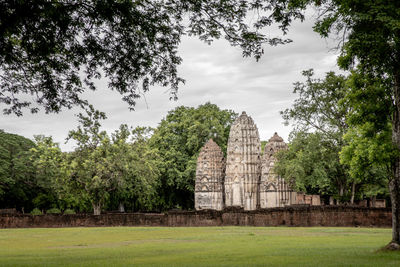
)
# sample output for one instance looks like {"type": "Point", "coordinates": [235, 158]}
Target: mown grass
{"type": "Point", "coordinates": [202, 246]}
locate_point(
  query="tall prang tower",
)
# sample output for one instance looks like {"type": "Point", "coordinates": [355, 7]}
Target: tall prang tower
{"type": "Point", "coordinates": [243, 164]}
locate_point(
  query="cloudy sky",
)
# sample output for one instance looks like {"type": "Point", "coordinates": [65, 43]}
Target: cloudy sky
{"type": "Point", "coordinates": [218, 74]}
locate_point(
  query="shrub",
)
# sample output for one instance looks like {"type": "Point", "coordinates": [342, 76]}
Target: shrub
{"type": "Point", "coordinates": [36, 211]}
{"type": "Point", "coordinates": [69, 211]}
{"type": "Point", "coordinates": [53, 211]}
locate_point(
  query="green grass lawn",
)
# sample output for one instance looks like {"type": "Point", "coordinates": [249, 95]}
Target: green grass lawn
{"type": "Point", "coordinates": [202, 246]}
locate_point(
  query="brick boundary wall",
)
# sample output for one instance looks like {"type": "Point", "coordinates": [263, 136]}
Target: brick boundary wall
{"type": "Point", "coordinates": [288, 216]}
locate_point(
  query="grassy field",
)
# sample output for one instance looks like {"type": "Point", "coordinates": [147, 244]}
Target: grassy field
{"type": "Point", "coordinates": [203, 246]}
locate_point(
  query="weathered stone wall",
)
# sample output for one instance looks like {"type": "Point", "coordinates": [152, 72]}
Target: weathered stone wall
{"type": "Point", "coordinates": [289, 216]}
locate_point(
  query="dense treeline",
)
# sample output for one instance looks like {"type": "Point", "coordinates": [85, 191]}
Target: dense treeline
{"type": "Point", "coordinates": [329, 154]}
{"type": "Point", "coordinates": [145, 169]}
{"type": "Point", "coordinates": [133, 169]}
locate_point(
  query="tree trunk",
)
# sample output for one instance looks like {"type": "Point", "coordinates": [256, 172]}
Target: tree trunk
{"type": "Point", "coordinates": [373, 201]}
{"type": "Point", "coordinates": [353, 192]}
{"type": "Point", "coordinates": [394, 184]}
{"type": "Point", "coordinates": [96, 208]}
{"type": "Point", "coordinates": [121, 207]}
{"type": "Point", "coordinates": [341, 192]}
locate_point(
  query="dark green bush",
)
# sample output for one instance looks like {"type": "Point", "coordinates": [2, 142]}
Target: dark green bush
{"type": "Point", "coordinates": [69, 211]}
{"type": "Point", "coordinates": [53, 211]}
{"type": "Point", "coordinates": [36, 211]}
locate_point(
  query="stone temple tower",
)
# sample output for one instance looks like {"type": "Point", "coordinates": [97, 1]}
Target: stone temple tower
{"type": "Point", "coordinates": [243, 165]}
{"type": "Point", "coordinates": [274, 191]}
{"type": "Point", "coordinates": [210, 178]}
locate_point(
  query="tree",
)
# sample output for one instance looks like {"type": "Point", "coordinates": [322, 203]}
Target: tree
{"type": "Point", "coordinates": [374, 119]}
{"type": "Point", "coordinates": [54, 50]}
{"type": "Point", "coordinates": [17, 179]}
{"type": "Point", "coordinates": [312, 160]}
{"type": "Point", "coordinates": [50, 170]}
{"type": "Point", "coordinates": [90, 176]}
{"type": "Point", "coordinates": [102, 166]}
{"type": "Point", "coordinates": [317, 106]}
{"type": "Point", "coordinates": [137, 165]}
{"type": "Point", "coordinates": [369, 42]}
{"type": "Point", "coordinates": [178, 139]}
{"type": "Point", "coordinates": [311, 164]}
{"type": "Point", "coordinates": [373, 41]}
{"type": "Point", "coordinates": [369, 159]}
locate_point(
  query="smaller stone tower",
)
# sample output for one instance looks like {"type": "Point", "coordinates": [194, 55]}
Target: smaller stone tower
{"type": "Point", "coordinates": [274, 191]}
{"type": "Point", "coordinates": [209, 189]}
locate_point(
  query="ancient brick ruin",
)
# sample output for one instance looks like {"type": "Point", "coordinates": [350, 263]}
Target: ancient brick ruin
{"type": "Point", "coordinates": [247, 179]}
{"type": "Point", "coordinates": [209, 177]}
{"type": "Point", "coordinates": [243, 166]}
{"type": "Point", "coordinates": [274, 191]}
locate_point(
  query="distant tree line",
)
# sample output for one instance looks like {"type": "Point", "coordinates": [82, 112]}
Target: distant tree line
{"type": "Point", "coordinates": [145, 169]}
{"type": "Point", "coordinates": [133, 169]}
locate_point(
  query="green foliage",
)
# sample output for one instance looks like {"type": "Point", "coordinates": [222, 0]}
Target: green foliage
{"type": "Point", "coordinates": [69, 211]}
{"type": "Point", "coordinates": [53, 211]}
{"type": "Point", "coordinates": [263, 144]}
{"type": "Point", "coordinates": [136, 163]}
{"type": "Point", "coordinates": [36, 211]}
{"type": "Point", "coordinates": [369, 153]}
{"type": "Point", "coordinates": [178, 139]}
{"type": "Point", "coordinates": [312, 165]}
{"type": "Point", "coordinates": [121, 167]}
{"type": "Point", "coordinates": [324, 108]}
{"type": "Point", "coordinates": [17, 180]}
{"type": "Point", "coordinates": [88, 177]}
{"type": "Point", "coordinates": [50, 170]}
{"type": "Point", "coordinates": [312, 161]}
{"type": "Point", "coordinates": [55, 50]}
{"type": "Point", "coordinates": [317, 106]}
{"type": "Point", "coordinates": [369, 31]}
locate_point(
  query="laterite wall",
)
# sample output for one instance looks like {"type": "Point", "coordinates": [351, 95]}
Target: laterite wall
{"type": "Point", "coordinates": [289, 216]}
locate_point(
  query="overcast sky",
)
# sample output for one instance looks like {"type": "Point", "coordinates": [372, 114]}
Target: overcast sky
{"type": "Point", "coordinates": [217, 74]}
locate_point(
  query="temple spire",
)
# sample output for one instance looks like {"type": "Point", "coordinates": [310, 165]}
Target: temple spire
{"type": "Point", "coordinates": [243, 168]}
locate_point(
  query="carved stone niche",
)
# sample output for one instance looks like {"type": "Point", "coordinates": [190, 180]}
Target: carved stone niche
{"type": "Point", "coordinates": [274, 191]}
{"type": "Point", "coordinates": [209, 178]}
{"type": "Point", "coordinates": [243, 167]}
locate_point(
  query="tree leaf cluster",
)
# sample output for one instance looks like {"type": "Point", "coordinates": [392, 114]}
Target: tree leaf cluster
{"type": "Point", "coordinates": [53, 51]}
{"type": "Point", "coordinates": [178, 139]}
{"type": "Point", "coordinates": [326, 155]}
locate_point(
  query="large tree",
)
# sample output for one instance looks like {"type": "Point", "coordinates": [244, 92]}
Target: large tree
{"type": "Point", "coordinates": [50, 170]}
{"type": "Point", "coordinates": [122, 166]}
{"type": "Point", "coordinates": [373, 46]}
{"type": "Point", "coordinates": [368, 36]}
{"type": "Point", "coordinates": [179, 138]}
{"type": "Point", "coordinates": [17, 174]}
{"type": "Point", "coordinates": [53, 50]}
{"type": "Point", "coordinates": [312, 160]}
{"type": "Point", "coordinates": [136, 164]}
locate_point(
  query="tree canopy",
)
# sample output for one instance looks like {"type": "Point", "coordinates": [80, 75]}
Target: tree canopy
{"type": "Point", "coordinates": [312, 161]}
{"type": "Point", "coordinates": [17, 180]}
{"type": "Point", "coordinates": [368, 34]}
{"type": "Point", "coordinates": [179, 138]}
{"type": "Point", "coordinates": [54, 50]}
